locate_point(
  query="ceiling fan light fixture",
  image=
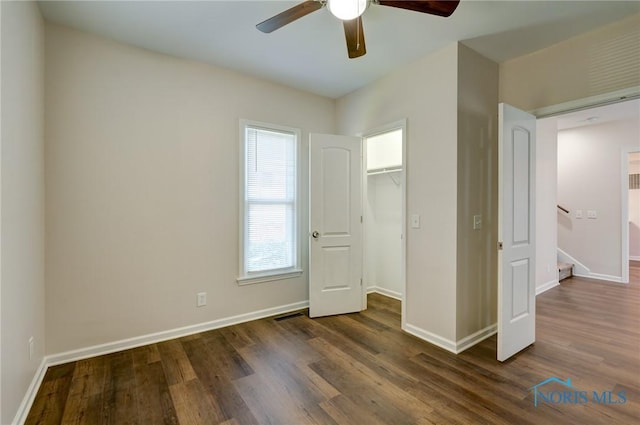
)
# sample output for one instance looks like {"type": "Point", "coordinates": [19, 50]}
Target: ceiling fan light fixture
{"type": "Point", "coordinates": [347, 9]}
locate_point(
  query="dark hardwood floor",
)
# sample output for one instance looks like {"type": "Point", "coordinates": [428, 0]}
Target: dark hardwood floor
{"type": "Point", "coordinates": [361, 369]}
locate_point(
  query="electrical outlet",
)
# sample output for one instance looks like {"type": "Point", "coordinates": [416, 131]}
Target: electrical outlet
{"type": "Point", "coordinates": [592, 214]}
{"type": "Point", "coordinates": [578, 213]}
{"type": "Point", "coordinates": [31, 348]}
{"type": "Point", "coordinates": [202, 299]}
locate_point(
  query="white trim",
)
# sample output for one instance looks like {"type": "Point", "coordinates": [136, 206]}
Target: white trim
{"type": "Point", "coordinates": [30, 395]}
{"type": "Point", "coordinates": [125, 344]}
{"type": "Point", "coordinates": [431, 338]}
{"type": "Point", "coordinates": [588, 102]}
{"type": "Point", "coordinates": [453, 347]}
{"type": "Point", "coordinates": [598, 276]}
{"type": "Point", "coordinates": [473, 339]}
{"type": "Point", "coordinates": [634, 258]}
{"type": "Point", "coordinates": [546, 286]}
{"type": "Point", "coordinates": [249, 280]}
{"type": "Point", "coordinates": [364, 200]}
{"type": "Point", "coordinates": [1, 234]}
{"type": "Point", "coordinates": [624, 214]}
{"type": "Point", "coordinates": [386, 292]}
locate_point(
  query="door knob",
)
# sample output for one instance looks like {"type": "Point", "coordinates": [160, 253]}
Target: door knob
{"type": "Point", "coordinates": [315, 234]}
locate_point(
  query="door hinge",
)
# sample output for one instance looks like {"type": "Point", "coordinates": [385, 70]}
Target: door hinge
{"type": "Point", "coordinates": [360, 219]}
{"type": "Point", "coordinates": [499, 246]}
{"type": "Point", "coordinates": [360, 281]}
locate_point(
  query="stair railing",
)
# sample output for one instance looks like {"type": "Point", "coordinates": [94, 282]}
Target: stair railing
{"type": "Point", "coordinates": [563, 209]}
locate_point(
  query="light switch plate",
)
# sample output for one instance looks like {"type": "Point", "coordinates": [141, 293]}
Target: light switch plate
{"type": "Point", "coordinates": [477, 222]}
{"type": "Point", "coordinates": [592, 214]}
{"type": "Point", "coordinates": [578, 213]}
{"type": "Point", "coordinates": [415, 221]}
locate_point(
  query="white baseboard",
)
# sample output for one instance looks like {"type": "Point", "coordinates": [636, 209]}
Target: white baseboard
{"type": "Point", "coordinates": [386, 292]}
{"type": "Point", "coordinates": [30, 396]}
{"type": "Point", "coordinates": [431, 338]}
{"type": "Point", "coordinates": [546, 286]}
{"type": "Point", "coordinates": [453, 347]}
{"type": "Point", "coordinates": [473, 339]}
{"type": "Point", "coordinates": [125, 344]}
{"type": "Point", "coordinates": [598, 276]}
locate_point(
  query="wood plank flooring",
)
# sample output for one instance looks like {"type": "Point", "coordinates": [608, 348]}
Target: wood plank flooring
{"type": "Point", "coordinates": [361, 369]}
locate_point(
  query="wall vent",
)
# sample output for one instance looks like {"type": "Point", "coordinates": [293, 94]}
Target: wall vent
{"type": "Point", "coordinates": [288, 316]}
{"type": "Point", "coordinates": [634, 181]}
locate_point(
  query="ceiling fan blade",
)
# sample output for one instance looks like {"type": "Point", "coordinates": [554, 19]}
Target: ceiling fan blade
{"type": "Point", "coordinates": [441, 8]}
{"type": "Point", "coordinates": [355, 37]}
{"type": "Point", "coordinates": [289, 15]}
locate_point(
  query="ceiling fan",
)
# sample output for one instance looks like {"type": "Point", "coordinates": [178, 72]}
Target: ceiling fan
{"type": "Point", "coordinates": [350, 12]}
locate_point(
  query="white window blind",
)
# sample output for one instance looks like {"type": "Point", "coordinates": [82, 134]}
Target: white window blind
{"type": "Point", "coordinates": [270, 201]}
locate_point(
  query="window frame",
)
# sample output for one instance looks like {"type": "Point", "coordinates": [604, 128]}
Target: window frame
{"type": "Point", "coordinates": [245, 277]}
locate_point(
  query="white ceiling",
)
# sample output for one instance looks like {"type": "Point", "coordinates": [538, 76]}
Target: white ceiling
{"type": "Point", "coordinates": [310, 53]}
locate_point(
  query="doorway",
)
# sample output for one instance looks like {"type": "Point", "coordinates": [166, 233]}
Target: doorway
{"type": "Point", "coordinates": [591, 182]}
{"type": "Point", "coordinates": [632, 177]}
{"type": "Point", "coordinates": [384, 200]}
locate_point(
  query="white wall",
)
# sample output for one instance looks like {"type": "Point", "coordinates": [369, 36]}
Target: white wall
{"type": "Point", "coordinates": [425, 93]}
{"type": "Point", "coordinates": [547, 212]}
{"type": "Point", "coordinates": [142, 189]}
{"type": "Point", "coordinates": [477, 193]}
{"type": "Point", "coordinates": [22, 206]}
{"type": "Point", "coordinates": [634, 210]}
{"type": "Point", "coordinates": [589, 178]}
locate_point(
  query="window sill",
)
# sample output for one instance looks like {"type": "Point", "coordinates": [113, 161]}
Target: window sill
{"type": "Point", "coordinates": [249, 280]}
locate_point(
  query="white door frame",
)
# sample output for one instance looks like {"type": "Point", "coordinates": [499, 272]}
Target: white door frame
{"type": "Point", "coordinates": [400, 124]}
{"type": "Point", "coordinates": [624, 209]}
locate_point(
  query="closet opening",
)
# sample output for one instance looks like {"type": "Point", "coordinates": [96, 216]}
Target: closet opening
{"type": "Point", "coordinates": [384, 217]}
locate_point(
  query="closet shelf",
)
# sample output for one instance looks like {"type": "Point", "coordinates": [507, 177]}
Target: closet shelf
{"type": "Point", "coordinates": [384, 170]}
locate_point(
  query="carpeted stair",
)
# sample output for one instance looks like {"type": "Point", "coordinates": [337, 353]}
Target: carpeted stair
{"type": "Point", "coordinates": [565, 270]}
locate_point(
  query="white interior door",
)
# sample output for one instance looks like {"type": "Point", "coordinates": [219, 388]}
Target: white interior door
{"type": "Point", "coordinates": [516, 231]}
{"type": "Point", "coordinates": [335, 220]}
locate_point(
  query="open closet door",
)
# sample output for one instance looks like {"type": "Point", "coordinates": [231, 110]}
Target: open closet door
{"type": "Point", "coordinates": [516, 231]}
{"type": "Point", "coordinates": [335, 220]}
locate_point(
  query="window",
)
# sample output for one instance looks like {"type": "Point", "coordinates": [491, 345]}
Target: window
{"type": "Point", "coordinates": [269, 202]}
